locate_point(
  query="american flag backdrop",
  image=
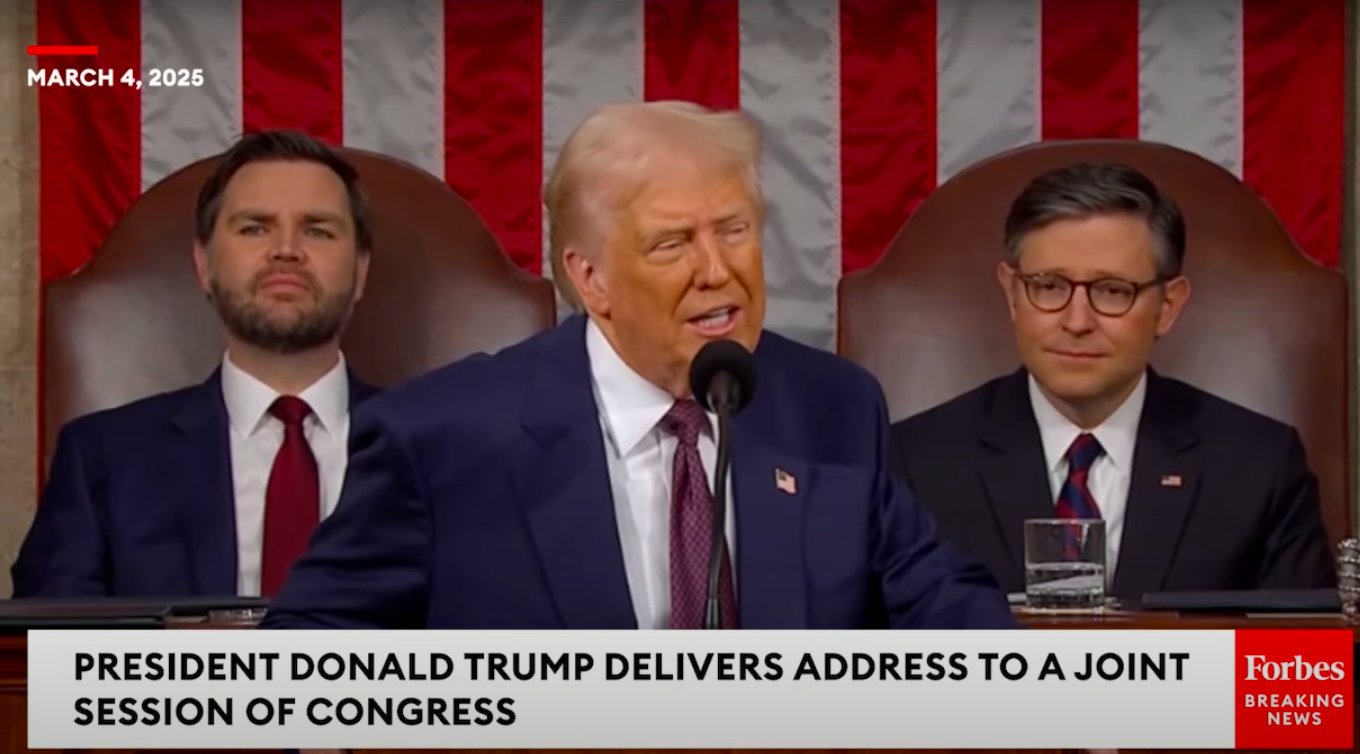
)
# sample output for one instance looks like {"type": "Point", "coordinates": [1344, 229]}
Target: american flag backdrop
{"type": "Point", "coordinates": [866, 105]}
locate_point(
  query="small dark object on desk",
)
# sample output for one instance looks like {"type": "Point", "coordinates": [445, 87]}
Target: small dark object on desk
{"type": "Point", "coordinates": [23, 616]}
{"type": "Point", "coordinates": [1299, 601]}
{"type": "Point", "coordinates": [20, 616]}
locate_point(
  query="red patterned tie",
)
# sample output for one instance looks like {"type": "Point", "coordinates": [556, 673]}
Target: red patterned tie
{"type": "Point", "coordinates": [692, 527]}
{"type": "Point", "coordinates": [293, 499]}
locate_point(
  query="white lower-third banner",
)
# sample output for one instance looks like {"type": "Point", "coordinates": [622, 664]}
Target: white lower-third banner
{"type": "Point", "coordinates": [656, 689]}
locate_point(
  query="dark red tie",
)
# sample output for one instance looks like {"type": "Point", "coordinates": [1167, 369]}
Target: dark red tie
{"type": "Point", "coordinates": [293, 500]}
{"type": "Point", "coordinates": [692, 527]}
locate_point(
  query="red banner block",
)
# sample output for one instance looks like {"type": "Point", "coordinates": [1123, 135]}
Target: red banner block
{"type": "Point", "coordinates": [1295, 689]}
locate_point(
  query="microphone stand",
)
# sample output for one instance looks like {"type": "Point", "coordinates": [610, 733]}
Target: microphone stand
{"type": "Point", "coordinates": [722, 401]}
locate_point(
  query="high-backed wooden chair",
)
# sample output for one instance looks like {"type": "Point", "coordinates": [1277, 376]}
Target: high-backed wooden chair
{"type": "Point", "coordinates": [1266, 327]}
{"type": "Point", "coordinates": [133, 322]}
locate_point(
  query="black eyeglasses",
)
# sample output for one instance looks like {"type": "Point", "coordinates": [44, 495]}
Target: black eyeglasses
{"type": "Point", "coordinates": [1112, 297]}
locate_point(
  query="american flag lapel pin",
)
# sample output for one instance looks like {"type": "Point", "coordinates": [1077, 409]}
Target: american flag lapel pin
{"type": "Point", "coordinates": [1172, 480]}
{"type": "Point", "coordinates": [785, 482]}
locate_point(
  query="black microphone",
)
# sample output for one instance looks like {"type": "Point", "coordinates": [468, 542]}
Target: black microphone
{"type": "Point", "coordinates": [722, 379]}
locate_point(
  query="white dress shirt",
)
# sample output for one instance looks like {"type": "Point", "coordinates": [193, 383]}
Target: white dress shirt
{"type": "Point", "coordinates": [640, 454]}
{"type": "Point", "coordinates": [1111, 473]}
{"type": "Point", "coordinates": [256, 436]}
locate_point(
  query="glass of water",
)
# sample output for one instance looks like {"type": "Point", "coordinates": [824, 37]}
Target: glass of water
{"type": "Point", "coordinates": [243, 616]}
{"type": "Point", "coordinates": [1065, 564]}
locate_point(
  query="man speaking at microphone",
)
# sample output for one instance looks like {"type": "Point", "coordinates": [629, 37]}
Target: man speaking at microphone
{"type": "Point", "coordinates": [565, 482]}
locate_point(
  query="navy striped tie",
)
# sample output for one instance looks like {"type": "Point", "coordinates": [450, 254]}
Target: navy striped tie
{"type": "Point", "coordinates": [1074, 500]}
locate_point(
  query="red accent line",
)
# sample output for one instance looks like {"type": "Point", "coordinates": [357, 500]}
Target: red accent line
{"type": "Point", "coordinates": [63, 50]}
{"type": "Point", "coordinates": [493, 119]}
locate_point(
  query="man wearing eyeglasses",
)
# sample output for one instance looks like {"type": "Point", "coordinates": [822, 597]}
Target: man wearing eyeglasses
{"type": "Point", "coordinates": [1196, 493]}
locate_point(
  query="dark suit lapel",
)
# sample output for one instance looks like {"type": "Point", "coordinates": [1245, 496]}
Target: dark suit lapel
{"type": "Point", "coordinates": [769, 491]}
{"type": "Point", "coordinates": [565, 491]}
{"type": "Point", "coordinates": [1162, 490]}
{"type": "Point", "coordinates": [198, 477]}
{"type": "Point", "coordinates": [1014, 471]}
{"type": "Point", "coordinates": [359, 391]}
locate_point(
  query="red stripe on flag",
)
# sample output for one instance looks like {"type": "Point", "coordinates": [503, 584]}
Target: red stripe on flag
{"type": "Point", "coordinates": [1293, 112]}
{"type": "Point", "coordinates": [1090, 69]}
{"type": "Point", "coordinates": [888, 96]}
{"type": "Point", "coordinates": [89, 138]}
{"type": "Point", "coordinates": [693, 52]}
{"type": "Point", "coordinates": [292, 72]}
{"type": "Point", "coordinates": [493, 118]}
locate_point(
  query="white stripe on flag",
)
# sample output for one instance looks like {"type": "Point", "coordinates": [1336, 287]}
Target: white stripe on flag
{"type": "Point", "coordinates": [394, 79]}
{"type": "Point", "coordinates": [184, 124]}
{"type": "Point", "coordinates": [592, 56]}
{"type": "Point", "coordinates": [790, 83]}
{"type": "Point", "coordinates": [988, 80]}
{"type": "Point", "coordinates": [1190, 77]}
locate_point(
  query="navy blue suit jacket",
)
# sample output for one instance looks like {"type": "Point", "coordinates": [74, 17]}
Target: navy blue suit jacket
{"type": "Point", "coordinates": [139, 502]}
{"type": "Point", "coordinates": [478, 496]}
{"type": "Point", "coordinates": [1244, 515]}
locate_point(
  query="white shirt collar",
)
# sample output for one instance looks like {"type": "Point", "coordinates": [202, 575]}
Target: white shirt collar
{"type": "Point", "coordinates": [631, 406]}
{"type": "Point", "coordinates": [1117, 435]}
{"type": "Point", "coordinates": [248, 400]}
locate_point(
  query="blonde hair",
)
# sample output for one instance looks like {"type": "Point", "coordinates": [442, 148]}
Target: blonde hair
{"type": "Point", "coordinates": [602, 164]}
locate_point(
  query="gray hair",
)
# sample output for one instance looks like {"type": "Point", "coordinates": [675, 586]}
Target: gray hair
{"type": "Point", "coordinates": [600, 165]}
{"type": "Point", "coordinates": [1098, 188]}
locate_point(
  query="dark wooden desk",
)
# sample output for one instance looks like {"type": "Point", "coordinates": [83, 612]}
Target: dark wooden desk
{"type": "Point", "coordinates": [14, 662]}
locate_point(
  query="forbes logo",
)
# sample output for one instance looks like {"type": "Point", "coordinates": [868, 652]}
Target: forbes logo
{"type": "Point", "coordinates": [1261, 669]}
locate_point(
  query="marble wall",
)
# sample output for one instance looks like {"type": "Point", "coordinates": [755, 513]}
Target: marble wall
{"type": "Point", "coordinates": [18, 282]}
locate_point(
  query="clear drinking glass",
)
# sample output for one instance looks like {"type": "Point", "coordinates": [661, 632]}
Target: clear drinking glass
{"type": "Point", "coordinates": [237, 616]}
{"type": "Point", "coordinates": [1065, 564]}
